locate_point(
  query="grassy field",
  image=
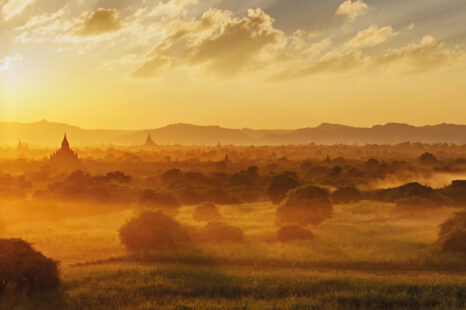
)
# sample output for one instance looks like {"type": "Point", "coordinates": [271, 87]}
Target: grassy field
{"type": "Point", "coordinates": [368, 256]}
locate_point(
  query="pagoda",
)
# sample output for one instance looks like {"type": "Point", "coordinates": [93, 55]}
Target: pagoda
{"type": "Point", "coordinates": [149, 141]}
{"type": "Point", "coordinates": [65, 155]}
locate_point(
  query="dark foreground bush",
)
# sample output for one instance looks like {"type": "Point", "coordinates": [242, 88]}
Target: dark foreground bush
{"type": "Point", "coordinates": [408, 190]}
{"type": "Point", "coordinates": [455, 193]}
{"type": "Point", "coordinates": [305, 205]}
{"type": "Point", "coordinates": [292, 232]}
{"type": "Point", "coordinates": [281, 184]}
{"type": "Point", "coordinates": [452, 236]}
{"type": "Point", "coordinates": [206, 212]}
{"type": "Point", "coordinates": [220, 233]}
{"type": "Point", "coordinates": [25, 270]}
{"type": "Point", "coordinates": [153, 231]}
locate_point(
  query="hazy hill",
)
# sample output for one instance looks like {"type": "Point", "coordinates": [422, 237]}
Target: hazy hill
{"type": "Point", "coordinates": [48, 133]}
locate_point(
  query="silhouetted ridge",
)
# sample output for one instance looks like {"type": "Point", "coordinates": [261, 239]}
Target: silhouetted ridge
{"type": "Point", "coordinates": [44, 132]}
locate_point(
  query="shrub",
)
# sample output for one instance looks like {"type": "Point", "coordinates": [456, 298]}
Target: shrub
{"type": "Point", "coordinates": [452, 236]}
{"type": "Point", "coordinates": [455, 192]}
{"type": "Point", "coordinates": [153, 231]}
{"type": "Point", "coordinates": [206, 212]}
{"type": "Point", "coordinates": [305, 205]}
{"type": "Point", "coordinates": [290, 232]}
{"type": "Point", "coordinates": [346, 195]}
{"type": "Point", "coordinates": [220, 233]}
{"type": "Point", "coordinates": [427, 158]}
{"type": "Point", "coordinates": [281, 184]}
{"type": "Point", "coordinates": [25, 270]}
{"type": "Point", "coordinates": [408, 190]}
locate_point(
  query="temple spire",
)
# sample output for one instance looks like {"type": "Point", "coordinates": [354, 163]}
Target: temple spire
{"type": "Point", "coordinates": [65, 144]}
{"type": "Point", "coordinates": [149, 140]}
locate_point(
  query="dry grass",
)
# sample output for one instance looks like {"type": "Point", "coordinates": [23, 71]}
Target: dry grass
{"type": "Point", "coordinates": [367, 256]}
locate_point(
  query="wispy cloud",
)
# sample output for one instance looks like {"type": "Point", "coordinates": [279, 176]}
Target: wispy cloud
{"type": "Point", "coordinates": [12, 8]}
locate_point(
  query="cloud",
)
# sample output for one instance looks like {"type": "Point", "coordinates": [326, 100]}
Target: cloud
{"type": "Point", "coordinates": [319, 47]}
{"type": "Point", "coordinates": [41, 27]}
{"type": "Point", "coordinates": [219, 43]}
{"type": "Point", "coordinates": [100, 22]}
{"type": "Point", "coordinates": [12, 8]}
{"type": "Point", "coordinates": [9, 61]}
{"type": "Point", "coordinates": [425, 55]}
{"type": "Point", "coordinates": [352, 9]}
{"type": "Point", "coordinates": [371, 36]}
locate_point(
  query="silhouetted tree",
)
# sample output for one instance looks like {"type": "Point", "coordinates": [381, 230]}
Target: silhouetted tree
{"type": "Point", "coordinates": [408, 190]}
{"type": "Point", "coordinates": [428, 158]}
{"type": "Point", "coordinates": [452, 236]}
{"type": "Point", "coordinates": [153, 231]}
{"type": "Point", "coordinates": [305, 205]}
{"type": "Point", "coordinates": [455, 192]}
{"type": "Point", "coordinates": [25, 270]}
{"type": "Point", "coordinates": [281, 184]}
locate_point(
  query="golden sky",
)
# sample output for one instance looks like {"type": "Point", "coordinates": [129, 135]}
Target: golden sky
{"type": "Point", "coordinates": [259, 63]}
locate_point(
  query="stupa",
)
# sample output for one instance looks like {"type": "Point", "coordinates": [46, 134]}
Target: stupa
{"type": "Point", "coordinates": [149, 141]}
{"type": "Point", "coordinates": [65, 155]}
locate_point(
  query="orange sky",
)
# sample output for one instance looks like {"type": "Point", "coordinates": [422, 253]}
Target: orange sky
{"type": "Point", "coordinates": [260, 64]}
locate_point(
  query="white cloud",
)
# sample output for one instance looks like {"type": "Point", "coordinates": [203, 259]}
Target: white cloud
{"type": "Point", "coordinates": [12, 8]}
{"type": "Point", "coordinates": [8, 62]}
{"type": "Point", "coordinates": [371, 36]}
{"type": "Point", "coordinates": [352, 9]}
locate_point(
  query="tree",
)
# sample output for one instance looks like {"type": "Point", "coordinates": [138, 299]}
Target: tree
{"type": "Point", "coordinates": [427, 158]}
{"type": "Point", "coordinates": [452, 236]}
{"type": "Point", "coordinates": [281, 184]}
{"type": "Point", "coordinates": [305, 205]}
{"type": "Point", "coordinates": [153, 231]}
{"type": "Point", "coordinates": [24, 269]}
{"type": "Point", "coordinates": [455, 193]}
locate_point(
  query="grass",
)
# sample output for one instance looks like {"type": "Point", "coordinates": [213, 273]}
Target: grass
{"type": "Point", "coordinates": [184, 287]}
{"type": "Point", "coordinates": [367, 256]}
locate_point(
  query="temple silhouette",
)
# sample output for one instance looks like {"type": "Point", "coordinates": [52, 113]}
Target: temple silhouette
{"type": "Point", "coordinates": [149, 141]}
{"type": "Point", "coordinates": [65, 155]}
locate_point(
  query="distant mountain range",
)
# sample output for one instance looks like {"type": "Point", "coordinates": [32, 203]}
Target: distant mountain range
{"type": "Point", "coordinates": [48, 133]}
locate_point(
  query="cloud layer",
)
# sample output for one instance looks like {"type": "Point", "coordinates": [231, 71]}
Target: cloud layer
{"type": "Point", "coordinates": [148, 39]}
{"type": "Point", "coordinates": [100, 22]}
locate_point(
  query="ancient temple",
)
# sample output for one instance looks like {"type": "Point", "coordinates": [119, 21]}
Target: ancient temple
{"type": "Point", "coordinates": [149, 141]}
{"type": "Point", "coordinates": [65, 155]}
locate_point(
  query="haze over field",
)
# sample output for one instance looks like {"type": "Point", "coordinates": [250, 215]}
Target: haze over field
{"type": "Point", "coordinates": [232, 154]}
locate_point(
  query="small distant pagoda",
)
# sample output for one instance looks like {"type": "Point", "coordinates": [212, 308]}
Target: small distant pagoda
{"type": "Point", "coordinates": [65, 155]}
{"type": "Point", "coordinates": [149, 141]}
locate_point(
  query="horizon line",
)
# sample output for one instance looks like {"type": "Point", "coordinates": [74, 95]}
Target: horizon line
{"type": "Point", "coordinates": [226, 127]}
